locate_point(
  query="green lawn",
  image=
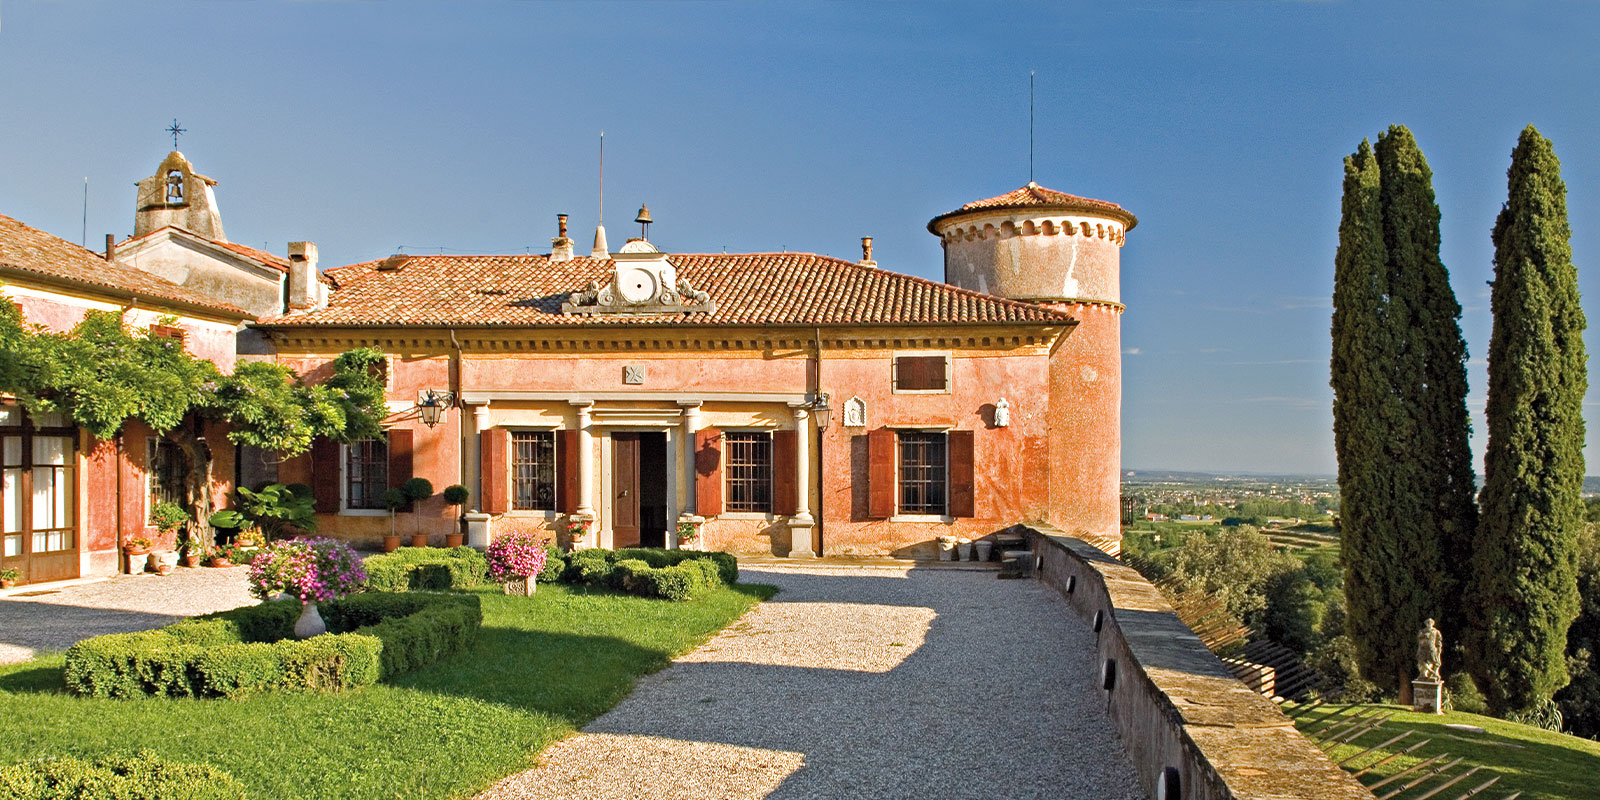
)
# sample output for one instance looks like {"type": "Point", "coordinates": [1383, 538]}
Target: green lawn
{"type": "Point", "coordinates": [542, 668]}
{"type": "Point", "coordinates": [1541, 764]}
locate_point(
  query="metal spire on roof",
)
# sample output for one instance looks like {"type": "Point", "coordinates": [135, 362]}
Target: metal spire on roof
{"type": "Point", "coordinates": [1030, 126]}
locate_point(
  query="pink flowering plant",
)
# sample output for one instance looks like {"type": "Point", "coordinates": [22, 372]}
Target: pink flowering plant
{"type": "Point", "coordinates": [313, 570]}
{"type": "Point", "coordinates": [516, 555]}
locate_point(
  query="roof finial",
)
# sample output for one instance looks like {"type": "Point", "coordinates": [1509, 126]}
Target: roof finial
{"type": "Point", "coordinates": [175, 131]}
{"type": "Point", "coordinates": [601, 249]}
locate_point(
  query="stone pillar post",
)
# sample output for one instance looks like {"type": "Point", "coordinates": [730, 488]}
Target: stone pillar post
{"type": "Point", "coordinates": [585, 458]}
{"type": "Point", "coordinates": [801, 524]}
{"type": "Point", "coordinates": [478, 534]}
{"type": "Point", "coordinates": [691, 424]}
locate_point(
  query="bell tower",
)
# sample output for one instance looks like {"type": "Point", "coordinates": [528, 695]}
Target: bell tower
{"type": "Point", "coordinates": [1062, 251]}
{"type": "Point", "coordinates": [178, 196]}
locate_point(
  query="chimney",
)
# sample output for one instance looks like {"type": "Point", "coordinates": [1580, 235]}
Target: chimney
{"type": "Point", "coordinates": [561, 246]}
{"type": "Point", "coordinates": [305, 290]}
{"type": "Point", "coordinates": [111, 247]}
{"type": "Point", "coordinates": [866, 253]}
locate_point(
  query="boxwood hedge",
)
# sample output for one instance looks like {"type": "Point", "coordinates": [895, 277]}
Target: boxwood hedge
{"type": "Point", "coordinates": [427, 568]}
{"type": "Point", "coordinates": [652, 572]}
{"type": "Point", "coordinates": [247, 650]}
{"type": "Point", "coordinates": [139, 777]}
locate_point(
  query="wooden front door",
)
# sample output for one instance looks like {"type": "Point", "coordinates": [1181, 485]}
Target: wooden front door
{"type": "Point", "coordinates": [38, 496]}
{"type": "Point", "coordinates": [625, 489]}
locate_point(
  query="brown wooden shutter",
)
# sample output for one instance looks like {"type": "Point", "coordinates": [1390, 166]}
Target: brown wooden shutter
{"type": "Point", "coordinates": [785, 495]}
{"type": "Point", "coordinates": [567, 500]}
{"type": "Point", "coordinates": [961, 500]}
{"type": "Point", "coordinates": [708, 472]}
{"type": "Point", "coordinates": [400, 468]}
{"type": "Point", "coordinates": [325, 474]}
{"type": "Point", "coordinates": [919, 372]}
{"type": "Point", "coordinates": [494, 447]}
{"type": "Point", "coordinates": [881, 487]}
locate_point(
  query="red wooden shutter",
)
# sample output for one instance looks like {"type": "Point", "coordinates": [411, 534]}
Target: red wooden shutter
{"type": "Point", "coordinates": [325, 475]}
{"type": "Point", "coordinates": [400, 469]}
{"type": "Point", "coordinates": [961, 500]}
{"type": "Point", "coordinates": [785, 495]}
{"type": "Point", "coordinates": [708, 472]}
{"type": "Point", "coordinates": [880, 473]}
{"type": "Point", "coordinates": [567, 500]}
{"type": "Point", "coordinates": [494, 447]}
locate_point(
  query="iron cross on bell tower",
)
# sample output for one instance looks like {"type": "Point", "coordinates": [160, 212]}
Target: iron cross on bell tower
{"type": "Point", "coordinates": [175, 131]}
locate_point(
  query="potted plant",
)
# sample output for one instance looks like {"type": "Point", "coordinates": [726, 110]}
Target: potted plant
{"type": "Point", "coordinates": [138, 551]}
{"type": "Point", "coordinates": [688, 534]}
{"type": "Point", "coordinates": [311, 571]}
{"type": "Point", "coordinates": [418, 490]}
{"type": "Point", "coordinates": [279, 510]}
{"type": "Point", "coordinates": [576, 529]}
{"type": "Point", "coordinates": [515, 559]}
{"type": "Point", "coordinates": [9, 577]}
{"type": "Point", "coordinates": [394, 500]}
{"type": "Point", "coordinates": [227, 523]}
{"type": "Point", "coordinates": [456, 496]}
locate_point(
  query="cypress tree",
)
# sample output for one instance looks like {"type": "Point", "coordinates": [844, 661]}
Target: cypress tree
{"type": "Point", "coordinates": [1364, 404]}
{"type": "Point", "coordinates": [1436, 488]}
{"type": "Point", "coordinates": [1524, 591]}
{"type": "Point", "coordinates": [1400, 419]}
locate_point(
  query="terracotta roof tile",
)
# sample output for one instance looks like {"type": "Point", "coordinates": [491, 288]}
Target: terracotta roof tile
{"type": "Point", "coordinates": [749, 289]}
{"type": "Point", "coordinates": [275, 261]}
{"type": "Point", "coordinates": [29, 249]}
{"type": "Point", "coordinates": [1035, 196]}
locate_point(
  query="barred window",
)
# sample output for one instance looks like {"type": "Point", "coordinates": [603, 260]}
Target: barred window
{"type": "Point", "coordinates": [366, 473]}
{"type": "Point", "coordinates": [533, 470]}
{"type": "Point", "coordinates": [749, 471]}
{"type": "Point", "coordinates": [922, 472]}
{"type": "Point", "coordinates": [167, 468]}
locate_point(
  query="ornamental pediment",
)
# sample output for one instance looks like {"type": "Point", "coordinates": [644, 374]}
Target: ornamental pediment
{"type": "Point", "coordinates": [643, 281]}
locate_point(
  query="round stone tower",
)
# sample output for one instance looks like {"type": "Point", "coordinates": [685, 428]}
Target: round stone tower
{"type": "Point", "coordinates": [1062, 251]}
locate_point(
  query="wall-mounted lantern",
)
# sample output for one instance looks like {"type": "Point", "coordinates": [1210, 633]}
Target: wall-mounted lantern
{"type": "Point", "coordinates": [821, 411]}
{"type": "Point", "coordinates": [431, 404]}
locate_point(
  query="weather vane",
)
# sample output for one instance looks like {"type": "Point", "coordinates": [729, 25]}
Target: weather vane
{"type": "Point", "coordinates": [176, 131]}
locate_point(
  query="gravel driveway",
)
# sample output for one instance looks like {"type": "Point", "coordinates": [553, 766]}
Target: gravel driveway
{"type": "Point", "coordinates": [54, 618]}
{"type": "Point", "coordinates": [861, 683]}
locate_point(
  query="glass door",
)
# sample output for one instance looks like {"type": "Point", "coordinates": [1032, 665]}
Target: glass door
{"type": "Point", "coordinates": [38, 496]}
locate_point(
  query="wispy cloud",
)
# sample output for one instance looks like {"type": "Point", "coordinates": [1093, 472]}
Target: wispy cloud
{"type": "Point", "coordinates": [1131, 351]}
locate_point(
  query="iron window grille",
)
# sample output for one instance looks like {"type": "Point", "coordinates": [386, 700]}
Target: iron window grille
{"type": "Point", "coordinates": [923, 484]}
{"type": "Point", "coordinates": [168, 468]}
{"type": "Point", "coordinates": [366, 473]}
{"type": "Point", "coordinates": [748, 460]}
{"type": "Point", "coordinates": [533, 470]}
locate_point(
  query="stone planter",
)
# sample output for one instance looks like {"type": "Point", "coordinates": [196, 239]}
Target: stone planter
{"type": "Point", "coordinates": [138, 562]}
{"type": "Point", "coordinates": [985, 547]}
{"type": "Point", "coordinates": [521, 587]}
{"type": "Point", "coordinates": [964, 549]}
{"type": "Point", "coordinates": [310, 622]}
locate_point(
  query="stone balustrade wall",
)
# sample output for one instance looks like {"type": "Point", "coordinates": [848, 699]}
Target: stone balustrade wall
{"type": "Point", "coordinates": [1192, 730]}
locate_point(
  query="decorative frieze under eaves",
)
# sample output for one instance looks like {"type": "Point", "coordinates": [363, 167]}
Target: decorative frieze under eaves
{"type": "Point", "coordinates": [608, 342]}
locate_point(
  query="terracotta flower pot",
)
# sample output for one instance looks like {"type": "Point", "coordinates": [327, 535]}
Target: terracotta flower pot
{"type": "Point", "coordinates": [191, 561]}
{"type": "Point", "coordinates": [419, 540]}
{"type": "Point", "coordinates": [391, 544]}
{"type": "Point", "coordinates": [219, 561]}
{"type": "Point", "coordinates": [7, 584]}
{"type": "Point", "coordinates": [453, 539]}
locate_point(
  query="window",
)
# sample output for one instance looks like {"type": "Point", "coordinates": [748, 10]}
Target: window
{"type": "Point", "coordinates": [922, 472]}
{"type": "Point", "coordinates": [748, 470]}
{"type": "Point", "coordinates": [167, 469]}
{"type": "Point", "coordinates": [366, 473]}
{"type": "Point", "coordinates": [533, 470]}
{"type": "Point", "coordinates": [921, 373]}
{"type": "Point", "coordinates": [37, 484]}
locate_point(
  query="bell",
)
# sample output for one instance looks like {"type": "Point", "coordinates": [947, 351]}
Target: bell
{"type": "Point", "coordinates": [644, 215]}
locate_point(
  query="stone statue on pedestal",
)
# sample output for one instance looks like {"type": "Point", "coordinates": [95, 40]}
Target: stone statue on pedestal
{"type": "Point", "coordinates": [1430, 644]}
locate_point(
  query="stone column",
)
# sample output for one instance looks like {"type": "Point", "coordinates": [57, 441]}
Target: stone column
{"type": "Point", "coordinates": [801, 524]}
{"type": "Point", "coordinates": [478, 534]}
{"type": "Point", "coordinates": [585, 458]}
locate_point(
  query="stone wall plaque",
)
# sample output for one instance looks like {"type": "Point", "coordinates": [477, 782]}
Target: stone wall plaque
{"type": "Point", "coordinates": [855, 413]}
{"type": "Point", "coordinates": [633, 374]}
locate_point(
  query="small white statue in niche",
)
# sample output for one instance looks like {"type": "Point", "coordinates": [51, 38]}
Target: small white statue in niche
{"type": "Point", "coordinates": [1002, 413]}
{"type": "Point", "coordinates": [855, 413]}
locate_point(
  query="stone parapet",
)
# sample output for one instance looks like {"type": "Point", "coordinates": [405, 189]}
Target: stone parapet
{"type": "Point", "coordinates": [1192, 730]}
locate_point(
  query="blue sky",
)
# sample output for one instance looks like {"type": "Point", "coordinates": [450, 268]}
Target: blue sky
{"type": "Point", "coordinates": [367, 127]}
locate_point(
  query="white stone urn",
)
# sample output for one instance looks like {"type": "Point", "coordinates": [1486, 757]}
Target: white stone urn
{"type": "Point", "coordinates": [310, 622]}
{"type": "Point", "coordinates": [964, 548]}
{"type": "Point", "coordinates": [985, 547]}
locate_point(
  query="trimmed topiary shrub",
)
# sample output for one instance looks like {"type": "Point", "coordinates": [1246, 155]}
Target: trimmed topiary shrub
{"type": "Point", "coordinates": [555, 565]}
{"type": "Point", "coordinates": [138, 777]}
{"type": "Point", "coordinates": [249, 650]}
{"type": "Point", "coordinates": [426, 568]}
{"type": "Point", "coordinates": [589, 568]}
{"type": "Point", "coordinates": [727, 564]}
